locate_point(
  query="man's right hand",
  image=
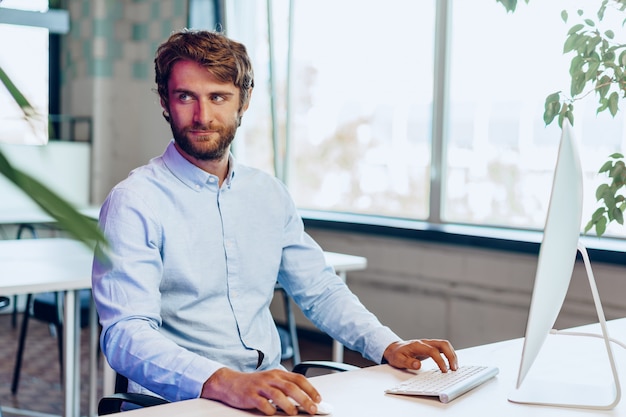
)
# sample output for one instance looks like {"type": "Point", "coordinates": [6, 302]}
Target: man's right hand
{"type": "Point", "coordinates": [255, 390]}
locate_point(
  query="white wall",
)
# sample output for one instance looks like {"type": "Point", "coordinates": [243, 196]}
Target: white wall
{"type": "Point", "coordinates": [108, 74]}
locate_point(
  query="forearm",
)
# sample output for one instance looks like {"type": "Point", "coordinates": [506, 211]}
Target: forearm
{"type": "Point", "coordinates": [340, 314]}
{"type": "Point", "coordinates": [142, 354]}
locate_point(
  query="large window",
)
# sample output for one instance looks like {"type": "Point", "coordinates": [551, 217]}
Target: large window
{"type": "Point", "coordinates": [500, 155]}
{"type": "Point", "coordinates": [371, 107]}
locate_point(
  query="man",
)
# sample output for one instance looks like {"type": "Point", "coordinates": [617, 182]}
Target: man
{"type": "Point", "coordinates": [196, 244]}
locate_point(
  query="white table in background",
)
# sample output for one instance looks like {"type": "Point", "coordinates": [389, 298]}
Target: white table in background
{"type": "Point", "coordinates": [34, 215]}
{"type": "Point", "coordinates": [56, 264]}
{"type": "Point", "coordinates": [362, 392]}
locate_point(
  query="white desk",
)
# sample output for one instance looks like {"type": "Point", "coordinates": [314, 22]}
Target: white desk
{"type": "Point", "coordinates": [42, 265]}
{"type": "Point", "coordinates": [361, 392]}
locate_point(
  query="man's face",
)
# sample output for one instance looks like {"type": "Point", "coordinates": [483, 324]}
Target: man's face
{"type": "Point", "coordinates": [204, 112]}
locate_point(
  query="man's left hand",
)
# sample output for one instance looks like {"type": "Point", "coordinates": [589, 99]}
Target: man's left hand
{"type": "Point", "coordinates": [410, 354]}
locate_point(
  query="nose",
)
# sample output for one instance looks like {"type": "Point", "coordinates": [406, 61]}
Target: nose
{"type": "Point", "coordinates": [204, 113]}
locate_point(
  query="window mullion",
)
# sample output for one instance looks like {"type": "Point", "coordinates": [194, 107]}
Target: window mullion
{"type": "Point", "coordinates": [440, 104]}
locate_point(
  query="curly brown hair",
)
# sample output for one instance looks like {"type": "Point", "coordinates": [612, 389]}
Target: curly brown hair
{"type": "Point", "coordinates": [225, 58]}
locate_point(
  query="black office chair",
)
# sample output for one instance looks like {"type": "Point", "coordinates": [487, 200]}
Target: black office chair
{"type": "Point", "coordinates": [288, 332]}
{"type": "Point", "coordinates": [47, 307]}
{"type": "Point", "coordinates": [21, 229]}
{"type": "Point", "coordinates": [112, 404]}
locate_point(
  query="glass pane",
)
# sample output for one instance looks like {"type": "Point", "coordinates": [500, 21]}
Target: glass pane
{"type": "Point", "coordinates": [29, 73]}
{"type": "Point", "coordinates": [246, 22]}
{"type": "Point", "coordinates": [360, 101]}
{"type": "Point", "coordinates": [361, 106]}
{"type": "Point", "coordinates": [500, 155]}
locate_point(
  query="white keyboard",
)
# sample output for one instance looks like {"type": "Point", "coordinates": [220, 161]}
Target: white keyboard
{"type": "Point", "coordinates": [447, 386]}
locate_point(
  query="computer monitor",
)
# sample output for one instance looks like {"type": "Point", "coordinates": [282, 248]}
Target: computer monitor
{"type": "Point", "coordinates": [557, 256]}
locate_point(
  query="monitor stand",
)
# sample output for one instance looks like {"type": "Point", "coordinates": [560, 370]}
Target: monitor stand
{"type": "Point", "coordinates": [571, 393]}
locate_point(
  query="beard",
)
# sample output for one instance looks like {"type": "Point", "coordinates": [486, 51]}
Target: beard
{"type": "Point", "coordinates": [204, 147]}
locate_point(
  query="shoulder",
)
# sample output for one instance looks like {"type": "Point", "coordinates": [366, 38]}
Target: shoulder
{"type": "Point", "coordinates": [254, 176]}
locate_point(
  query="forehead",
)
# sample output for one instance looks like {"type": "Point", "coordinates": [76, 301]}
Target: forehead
{"type": "Point", "coordinates": [189, 75]}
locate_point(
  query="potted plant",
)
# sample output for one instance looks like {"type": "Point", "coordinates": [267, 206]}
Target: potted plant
{"type": "Point", "coordinates": [598, 66]}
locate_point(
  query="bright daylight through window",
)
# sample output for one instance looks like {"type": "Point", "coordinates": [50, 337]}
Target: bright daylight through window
{"type": "Point", "coordinates": [359, 90]}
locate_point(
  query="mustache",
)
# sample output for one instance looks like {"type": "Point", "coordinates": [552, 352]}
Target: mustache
{"type": "Point", "coordinates": [200, 127]}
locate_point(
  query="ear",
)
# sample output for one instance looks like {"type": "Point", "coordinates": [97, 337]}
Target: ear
{"type": "Point", "coordinates": [166, 112]}
{"type": "Point", "coordinates": [247, 103]}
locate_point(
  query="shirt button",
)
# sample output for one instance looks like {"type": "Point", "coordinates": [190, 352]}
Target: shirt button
{"type": "Point", "coordinates": [212, 180]}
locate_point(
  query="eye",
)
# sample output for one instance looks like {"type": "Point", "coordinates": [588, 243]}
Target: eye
{"type": "Point", "coordinates": [185, 97]}
{"type": "Point", "coordinates": [216, 98]}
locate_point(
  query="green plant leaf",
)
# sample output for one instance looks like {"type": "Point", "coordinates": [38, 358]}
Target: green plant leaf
{"type": "Point", "coordinates": [598, 214]}
{"type": "Point", "coordinates": [578, 83]}
{"type": "Point", "coordinates": [591, 73]}
{"type": "Point", "coordinates": [601, 190]}
{"type": "Point", "coordinates": [509, 5]}
{"type": "Point", "coordinates": [618, 215]}
{"type": "Point", "coordinates": [613, 103]}
{"type": "Point", "coordinates": [79, 226]}
{"type": "Point", "coordinates": [575, 28]}
{"type": "Point", "coordinates": [570, 42]}
{"type": "Point", "coordinates": [603, 85]}
{"type": "Point", "coordinates": [19, 98]}
{"type": "Point", "coordinates": [601, 226]}
{"type": "Point", "coordinates": [551, 107]}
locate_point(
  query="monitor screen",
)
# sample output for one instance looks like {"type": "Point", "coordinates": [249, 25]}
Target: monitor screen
{"type": "Point", "coordinates": [557, 253]}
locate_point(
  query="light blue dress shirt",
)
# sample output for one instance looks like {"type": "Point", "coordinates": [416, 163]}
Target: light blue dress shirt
{"type": "Point", "coordinates": [191, 271]}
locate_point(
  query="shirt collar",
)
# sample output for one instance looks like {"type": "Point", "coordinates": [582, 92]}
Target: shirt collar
{"type": "Point", "coordinates": [192, 176]}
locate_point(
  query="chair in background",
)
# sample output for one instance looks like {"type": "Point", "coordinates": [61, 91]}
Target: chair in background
{"type": "Point", "coordinates": [112, 404]}
{"type": "Point", "coordinates": [20, 230]}
{"type": "Point", "coordinates": [47, 307]}
{"type": "Point", "coordinates": [288, 332]}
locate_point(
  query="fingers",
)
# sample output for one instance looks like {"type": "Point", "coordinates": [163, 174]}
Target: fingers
{"type": "Point", "coordinates": [263, 391]}
{"type": "Point", "coordinates": [439, 347]}
{"type": "Point", "coordinates": [409, 354]}
{"type": "Point", "coordinates": [287, 393]}
{"type": "Point", "coordinates": [446, 348]}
